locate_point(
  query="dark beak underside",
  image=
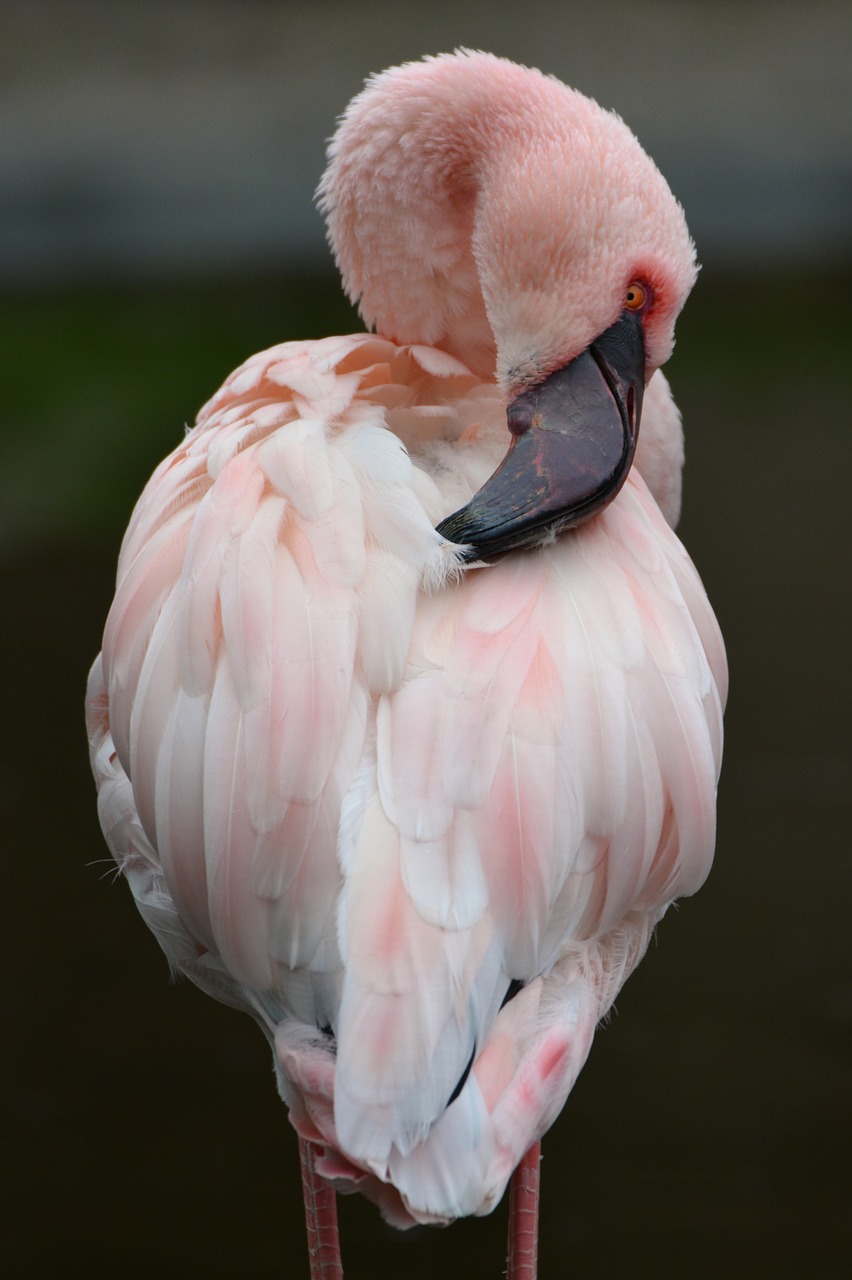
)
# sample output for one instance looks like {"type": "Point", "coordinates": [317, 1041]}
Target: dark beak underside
{"type": "Point", "coordinates": [573, 440]}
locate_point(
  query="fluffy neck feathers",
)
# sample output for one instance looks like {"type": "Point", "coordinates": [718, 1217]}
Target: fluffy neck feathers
{"type": "Point", "coordinates": [484, 208]}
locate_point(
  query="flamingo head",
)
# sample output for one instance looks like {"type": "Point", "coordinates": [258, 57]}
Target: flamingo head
{"type": "Point", "coordinates": [489, 210]}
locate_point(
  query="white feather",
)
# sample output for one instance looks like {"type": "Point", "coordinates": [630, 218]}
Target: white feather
{"type": "Point", "coordinates": [359, 788]}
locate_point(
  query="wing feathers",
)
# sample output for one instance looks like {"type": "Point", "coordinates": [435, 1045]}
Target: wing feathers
{"type": "Point", "coordinates": [349, 802]}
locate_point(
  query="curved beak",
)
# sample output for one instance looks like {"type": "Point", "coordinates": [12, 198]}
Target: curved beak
{"type": "Point", "coordinates": [573, 440]}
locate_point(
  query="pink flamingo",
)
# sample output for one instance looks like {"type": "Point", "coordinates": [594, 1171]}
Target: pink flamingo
{"type": "Point", "coordinates": [416, 799]}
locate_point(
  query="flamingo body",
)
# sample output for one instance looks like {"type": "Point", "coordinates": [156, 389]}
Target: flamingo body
{"type": "Point", "coordinates": [418, 819]}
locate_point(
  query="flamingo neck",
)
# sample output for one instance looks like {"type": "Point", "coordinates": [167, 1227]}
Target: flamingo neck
{"type": "Point", "coordinates": [405, 197]}
{"type": "Point", "coordinates": [488, 210]}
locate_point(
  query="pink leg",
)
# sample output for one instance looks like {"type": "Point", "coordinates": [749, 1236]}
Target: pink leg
{"type": "Point", "coordinates": [523, 1217]}
{"type": "Point", "coordinates": [320, 1219]}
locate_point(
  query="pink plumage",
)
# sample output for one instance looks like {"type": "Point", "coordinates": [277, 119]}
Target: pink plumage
{"type": "Point", "coordinates": [362, 784]}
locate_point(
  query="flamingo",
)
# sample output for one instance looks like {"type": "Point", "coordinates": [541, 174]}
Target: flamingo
{"type": "Point", "coordinates": [404, 739]}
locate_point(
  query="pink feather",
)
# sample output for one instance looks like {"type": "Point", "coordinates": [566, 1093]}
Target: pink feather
{"type": "Point", "coordinates": [357, 788]}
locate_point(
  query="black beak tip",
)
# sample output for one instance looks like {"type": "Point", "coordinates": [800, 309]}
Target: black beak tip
{"type": "Point", "coordinates": [573, 439]}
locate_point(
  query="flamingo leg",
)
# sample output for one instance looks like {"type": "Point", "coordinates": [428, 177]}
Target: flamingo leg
{"type": "Point", "coordinates": [523, 1217]}
{"type": "Point", "coordinates": [320, 1219]}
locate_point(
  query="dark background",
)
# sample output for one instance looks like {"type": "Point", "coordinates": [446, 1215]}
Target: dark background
{"type": "Point", "coordinates": [156, 168]}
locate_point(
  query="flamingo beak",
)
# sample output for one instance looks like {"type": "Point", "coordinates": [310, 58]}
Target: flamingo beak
{"type": "Point", "coordinates": [573, 440]}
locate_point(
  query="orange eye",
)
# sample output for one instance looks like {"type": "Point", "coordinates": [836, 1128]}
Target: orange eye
{"type": "Point", "coordinates": [636, 296]}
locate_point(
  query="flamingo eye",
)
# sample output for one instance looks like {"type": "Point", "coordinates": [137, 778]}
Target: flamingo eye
{"type": "Point", "coordinates": [636, 296]}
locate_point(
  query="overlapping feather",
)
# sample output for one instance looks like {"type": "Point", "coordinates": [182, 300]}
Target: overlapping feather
{"type": "Point", "coordinates": [353, 806]}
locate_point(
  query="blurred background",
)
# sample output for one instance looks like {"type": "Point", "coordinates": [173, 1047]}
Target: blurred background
{"type": "Point", "coordinates": [157, 164]}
